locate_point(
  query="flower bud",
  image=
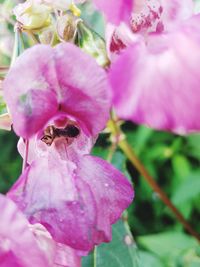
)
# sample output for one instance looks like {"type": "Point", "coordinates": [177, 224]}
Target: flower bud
{"type": "Point", "coordinates": [48, 35]}
{"type": "Point", "coordinates": [5, 122]}
{"type": "Point", "coordinates": [33, 15]}
{"type": "Point", "coordinates": [92, 43]}
{"type": "Point", "coordinates": [66, 27]}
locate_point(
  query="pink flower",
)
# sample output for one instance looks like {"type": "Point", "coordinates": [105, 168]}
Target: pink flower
{"type": "Point", "coordinates": [76, 197]}
{"type": "Point", "coordinates": [22, 245]}
{"type": "Point", "coordinates": [147, 17]}
{"type": "Point", "coordinates": [143, 13]}
{"type": "Point", "coordinates": [64, 101]}
{"type": "Point", "coordinates": [47, 82]}
{"type": "Point", "coordinates": [155, 80]}
{"type": "Point", "coordinates": [161, 91]}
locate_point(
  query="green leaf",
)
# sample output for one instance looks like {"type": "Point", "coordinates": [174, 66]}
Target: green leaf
{"type": "Point", "coordinates": [188, 190]}
{"type": "Point", "coordinates": [139, 139]}
{"type": "Point", "coordinates": [168, 244]}
{"type": "Point", "coordinates": [119, 161]}
{"type": "Point", "coordinates": [181, 166]}
{"type": "Point", "coordinates": [197, 6]}
{"type": "Point", "coordinates": [3, 108]}
{"type": "Point", "coordinates": [120, 252]}
{"type": "Point", "coordinates": [100, 152]}
{"type": "Point", "coordinates": [150, 260]}
{"type": "Point", "coordinates": [194, 145]}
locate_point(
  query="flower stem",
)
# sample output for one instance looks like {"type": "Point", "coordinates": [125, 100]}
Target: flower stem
{"type": "Point", "coordinates": [18, 45]}
{"type": "Point", "coordinates": [130, 154]}
{"type": "Point", "coordinates": [128, 151]}
{"type": "Point", "coordinates": [95, 256]}
{"type": "Point", "coordinates": [25, 158]}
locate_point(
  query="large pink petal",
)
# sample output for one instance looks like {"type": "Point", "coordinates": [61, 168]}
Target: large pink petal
{"type": "Point", "coordinates": [29, 90]}
{"type": "Point", "coordinates": [45, 82]}
{"type": "Point", "coordinates": [77, 203]}
{"type": "Point", "coordinates": [158, 84]}
{"type": "Point", "coordinates": [84, 88]}
{"type": "Point", "coordinates": [115, 11]}
{"type": "Point", "coordinates": [147, 17]}
{"type": "Point", "coordinates": [18, 245]}
{"type": "Point", "coordinates": [111, 190]}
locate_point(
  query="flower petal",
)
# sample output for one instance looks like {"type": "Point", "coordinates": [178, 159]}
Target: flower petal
{"type": "Point", "coordinates": [29, 90]}
{"type": "Point", "coordinates": [45, 82]}
{"type": "Point", "coordinates": [158, 84]}
{"type": "Point", "coordinates": [18, 246]}
{"type": "Point", "coordinates": [84, 88]}
{"type": "Point", "coordinates": [62, 255]}
{"type": "Point", "coordinates": [115, 11]}
{"type": "Point", "coordinates": [77, 203]}
{"type": "Point", "coordinates": [175, 10]}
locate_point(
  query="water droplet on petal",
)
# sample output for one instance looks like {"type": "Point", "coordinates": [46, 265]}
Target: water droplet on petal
{"type": "Point", "coordinates": [128, 240]}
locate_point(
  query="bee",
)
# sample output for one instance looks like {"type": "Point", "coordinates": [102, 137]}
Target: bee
{"type": "Point", "coordinates": [51, 132]}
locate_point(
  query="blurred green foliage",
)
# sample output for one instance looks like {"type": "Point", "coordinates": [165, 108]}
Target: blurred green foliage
{"type": "Point", "coordinates": [174, 162]}
{"type": "Point", "coordinates": [10, 161]}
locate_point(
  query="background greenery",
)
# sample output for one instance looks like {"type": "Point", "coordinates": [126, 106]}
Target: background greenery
{"type": "Point", "coordinates": [159, 239]}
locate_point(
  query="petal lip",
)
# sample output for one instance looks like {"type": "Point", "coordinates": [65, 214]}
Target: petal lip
{"type": "Point", "coordinates": [69, 187]}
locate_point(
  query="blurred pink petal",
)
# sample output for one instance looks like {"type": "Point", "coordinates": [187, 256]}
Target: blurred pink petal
{"type": "Point", "coordinates": [57, 253]}
{"type": "Point", "coordinates": [115, 11]}
{"type": "Point", "coordinates": [176, 10]}
{"type": "Point", "coordinates": [76, 201]}
{"type": "Point", "coordinates": [18, 246]}
{"type": "Point", "coordinates": [64, 81]}
{"type": "Point", "coordinates": [146, 17]}
{"type": "Point", "coordinates": [159, 84]}
{"type": "Point", "coordinates": [157, 15]}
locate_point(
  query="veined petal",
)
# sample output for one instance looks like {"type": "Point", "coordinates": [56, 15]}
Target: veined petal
{"type": "Point", "coordinates": [76, 202]}
{"type": "Point", "coordinates": [115, 11]}
{"type": "Point", "coordinates": [84, 88]}
{"type": "Point", "coordinates": [158, 84]}
{"type": "Point", "coordinates": [29, 90]}
{"type": "Point", "coordinates": [45, 82]}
